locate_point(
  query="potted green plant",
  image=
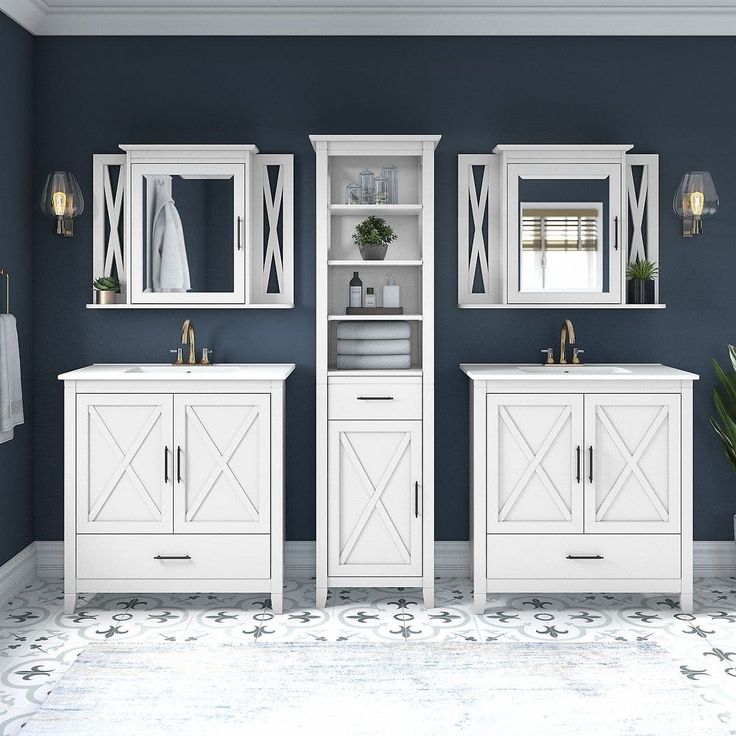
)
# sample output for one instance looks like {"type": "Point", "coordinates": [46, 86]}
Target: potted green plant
{"type": "Point", "coordinates": [641, 274]}
{"type": "Point", "coordinates": [105, 288]}
{"type": "Point", "coordinates": [724, 399]}
{"type": "Point", "coordinates": [372, 237]}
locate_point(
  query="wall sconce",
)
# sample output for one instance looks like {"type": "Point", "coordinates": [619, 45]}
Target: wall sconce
{"type": "Point", "coordinates": [62, 199]}
{"type": "Point", "coordinates": [696, 198]}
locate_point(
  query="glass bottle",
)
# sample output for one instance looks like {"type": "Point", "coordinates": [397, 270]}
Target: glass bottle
{"type": "Point", "coordinates": [381, 190]}
{"type": "Point", "coordinates": [391, 174]}
{"type": "Point", "coordinates": [356, 291]}
{"type": "Point", "coordinates": [367, 186]}
{"type": "Point", "coordinates": [370, 297]}
{"type": "Point", "coordinates": [352, 194]}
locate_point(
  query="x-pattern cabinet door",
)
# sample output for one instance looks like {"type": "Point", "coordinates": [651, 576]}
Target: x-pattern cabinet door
{"type": "Point", "coordinates": [124, 463]}
{"type": "Point", "coordinates": [535, 463]}
{"type": "Point", "coordinates": [223, 467]}
{"type": "Point", "coordinates": [374, 490]}
{"type": "Point", "coordinates": [633, 482]}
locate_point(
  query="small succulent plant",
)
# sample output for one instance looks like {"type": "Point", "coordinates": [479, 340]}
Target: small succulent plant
{"type": "Point", "coordinates": [374, 231]}
{"type": "Point", "coordinates": [107, 283]}
{"type": "Point", "coordinates": [642, 270]}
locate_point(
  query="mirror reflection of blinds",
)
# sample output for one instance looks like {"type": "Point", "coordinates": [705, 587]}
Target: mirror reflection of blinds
{"type": "Point", "coordinates": [559, 229]}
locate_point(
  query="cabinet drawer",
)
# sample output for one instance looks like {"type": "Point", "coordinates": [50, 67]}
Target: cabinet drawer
{"type": "Point", "coordinates": [121, 556]}
{"type": "Point", "coordinates": [375, 400]}
{"type": "Point", "coordinates": [558, 556]}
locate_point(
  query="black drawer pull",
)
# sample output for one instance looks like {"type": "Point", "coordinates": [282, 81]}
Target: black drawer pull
{"type": "Point", "coordinates": [178, 464]}
{"type": "Point", "coordinates": [375, 398]}
{"type": "Point", "coordinates": [416, 499]}
{"type": "Point", "coordinates": [585, 557]}
{"type": "Point", "coordinates": [172, 557]}
{"type": "Point", "coordinates": [166, 464]}
{"type": "Point", "coordinates": [577, 473]}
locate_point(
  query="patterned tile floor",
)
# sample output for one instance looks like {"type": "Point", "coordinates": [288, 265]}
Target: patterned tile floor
{"type": "Point", "coordinates": [38, 642]}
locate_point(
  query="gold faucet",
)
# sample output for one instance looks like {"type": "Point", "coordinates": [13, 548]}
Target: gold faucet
{"type": "Point", "coordinates": [187, 337]}
{"type": "Point", "coordinates": [567, 334]}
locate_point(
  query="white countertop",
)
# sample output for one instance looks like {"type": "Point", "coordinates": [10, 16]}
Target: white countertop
{"type": "Point", "coordinates": [168, 372]}
{"type": "Point", "coordinates": [590, 372]}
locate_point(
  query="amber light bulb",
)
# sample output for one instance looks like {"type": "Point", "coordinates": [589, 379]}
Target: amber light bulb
{"type": "Point", "coordinates": [59, 203]}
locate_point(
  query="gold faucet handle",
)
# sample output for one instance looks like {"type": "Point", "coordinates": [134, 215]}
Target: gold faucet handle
{"type": "Point", "coordinates": [550, 358]}
{"type": "Point", "coordinates": [206, 353]}
{"type": "Point", "coordinates": [179, 356]}
{"type": "Point", "coordinates": [576, 353]}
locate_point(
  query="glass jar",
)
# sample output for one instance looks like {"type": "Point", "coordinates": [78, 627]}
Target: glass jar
{"type": "Point", "coordinates": [367, 186]}
{"type": "Point", "coordinates": [352, 194]}
{"type": "Point", "coordinates": [391, 174]}
{"type": "Point", "coordinates": [381, 191]}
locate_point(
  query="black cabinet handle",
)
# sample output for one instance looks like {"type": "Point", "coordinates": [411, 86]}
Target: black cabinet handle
{"type": "Point", "coordinates": [416, 499]}
{"type": "Point", "coordinates": [590, 463]}
{"type": "Point", "coordinates": [615, 233]}
{"type": "Point", "coordinates": [577, 457]}
{"type": "Point", "coordinates": [166, 465]}
{"type": "Point", "coordinates": [172, 557]}
{"type": "Point", "coordinates": [178, 464]}
{"type": "Point", "coordinates": [239, 241]}
{"type": "Point", "coordinates": [375, 398]}
{"type": "Point", "coordinates": [584, 557]}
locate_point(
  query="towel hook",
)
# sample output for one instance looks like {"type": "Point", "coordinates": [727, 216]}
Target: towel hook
{"type": "Point", "coordinates": [3, 272]}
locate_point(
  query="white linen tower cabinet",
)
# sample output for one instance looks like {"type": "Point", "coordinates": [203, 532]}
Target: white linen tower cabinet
{"type": "Point", "coordinates": [375, 428]}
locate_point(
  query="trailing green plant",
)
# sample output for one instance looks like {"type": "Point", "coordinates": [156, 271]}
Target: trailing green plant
{"type": "Point", "coordinates": [374, 231]}
{"type": "Point", "coordinates": [725, 401]}
{"type": "Point", "coordinates": [642, 270]}
{"type": "Point", "coordinates": [107, 283]}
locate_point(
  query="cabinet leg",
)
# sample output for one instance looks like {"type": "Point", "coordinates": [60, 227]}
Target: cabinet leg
{"type": "Point", "coordinates": [321, 597]}
{"type": "Point", "coordinates": [686, 602]}
{"type": "Point", "coordinates": [479, 603]}
{"type": "Point", "coordinates": [277, 602]}
{"type": "Point", "coordinates": [428, 597]}
{"type": "Point", "coordinates": [70, 603]}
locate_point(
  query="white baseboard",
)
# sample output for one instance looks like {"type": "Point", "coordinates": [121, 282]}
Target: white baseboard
{"type": "Point", "coordinates": [452, 559]}
{"type": "Point", "coordinates": [50, 559]}
{"type": "Point", "coordinates": [18, 572]}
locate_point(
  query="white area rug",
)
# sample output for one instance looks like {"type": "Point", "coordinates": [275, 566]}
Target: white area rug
{"type": "Point", "coordinates": [585, 689]}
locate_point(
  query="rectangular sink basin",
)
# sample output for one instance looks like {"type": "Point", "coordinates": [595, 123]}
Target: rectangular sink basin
{"type": "Point", "coordinates": [166, 369]}
{"type": "Point", "coordinates": [596, 370]}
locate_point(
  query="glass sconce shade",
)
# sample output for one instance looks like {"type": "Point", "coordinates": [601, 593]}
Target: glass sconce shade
{"type": "Point", "coordinates": [696, 198]}
{"type": "Point", "coordinates": [62, 199]}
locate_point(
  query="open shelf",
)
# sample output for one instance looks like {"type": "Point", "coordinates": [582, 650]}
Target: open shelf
{"type": "Point", "coordinates": [374, 317]}
{"type": "Point", "coordinates": [333, 372]}
{"type": "Point", "coordinates": [562, 306]}
{"type": "Point", "coordinates": [360, 263]}
{"type": "Point", "coordinates": [375, 209]}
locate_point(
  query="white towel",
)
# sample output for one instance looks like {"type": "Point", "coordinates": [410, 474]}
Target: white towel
{"type": "Point", "coordinates": [373, 362]}
{"type": "Point", "coordinates": [170, 267]}
{"type": "Point", "coordinates": [398, 330]}
{"type": "Point", "coordinates": [374, 347]}
{"type": "Point", "coordinates": [11, 396]}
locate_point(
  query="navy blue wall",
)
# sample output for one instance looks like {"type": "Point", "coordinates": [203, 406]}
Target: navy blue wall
{"type": "Point", "coordinates": [16, 160]}
{"type": "Point", "coordinates": [476, 92]}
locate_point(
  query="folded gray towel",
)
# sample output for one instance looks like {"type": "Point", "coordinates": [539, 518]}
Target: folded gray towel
{"type": "Point", "coordinates": [398, 330]}
{"type": "Point", "coordinates": [11, 397]}
{"type": "Point", "coordinates": [374, 347]}
{"type": "Point", "coordinates": [373, 362]}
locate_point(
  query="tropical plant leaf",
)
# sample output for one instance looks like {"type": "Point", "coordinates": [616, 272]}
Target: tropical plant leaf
{"type": "Point", "coordinates": [724, 399]}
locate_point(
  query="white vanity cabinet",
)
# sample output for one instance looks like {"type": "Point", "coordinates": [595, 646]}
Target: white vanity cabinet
{"type": "Point", "coordinates": [581, 479]}
{"type": "Point", "coordinates": [174, 480]}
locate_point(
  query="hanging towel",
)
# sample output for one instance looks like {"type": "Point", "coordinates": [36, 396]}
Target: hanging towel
{"type": "Point", "coordinates": [373, 347]}
{"type": "Point", "coordinates": [398, 330]}
{"type": "Point", "coordinates": [11, 397]}
{"type": "Point", "coordinates": [373, 362]}
{"type": "Point", "coordinates": [170, 267]}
